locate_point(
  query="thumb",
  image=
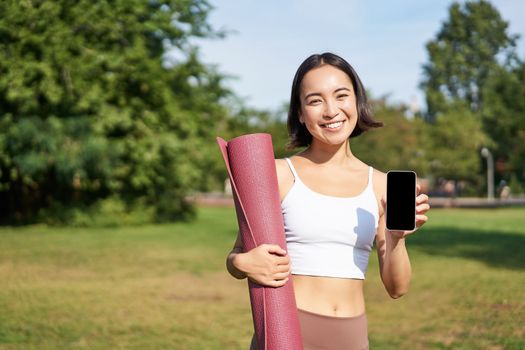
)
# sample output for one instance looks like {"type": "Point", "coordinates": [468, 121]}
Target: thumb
{"type": "Point", "coordinates": [274, 248]}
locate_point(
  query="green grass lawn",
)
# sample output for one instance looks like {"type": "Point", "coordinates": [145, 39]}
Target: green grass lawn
{"type": "Point", "coordinates": [166, 287]}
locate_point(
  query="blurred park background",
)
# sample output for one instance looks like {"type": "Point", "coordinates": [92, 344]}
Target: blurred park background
{"type": "Point", "coordinates": [108, 116]}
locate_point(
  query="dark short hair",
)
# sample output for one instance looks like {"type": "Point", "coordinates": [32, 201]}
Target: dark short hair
{"type": "Point", "coordinates": [299, 136]}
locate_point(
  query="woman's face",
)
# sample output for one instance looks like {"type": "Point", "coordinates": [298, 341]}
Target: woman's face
{"type": "Point", "coordinates": [328, 105]}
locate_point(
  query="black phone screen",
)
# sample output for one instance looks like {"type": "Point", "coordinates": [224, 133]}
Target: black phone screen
{"type": "Point", "coordinates": [401, 200]}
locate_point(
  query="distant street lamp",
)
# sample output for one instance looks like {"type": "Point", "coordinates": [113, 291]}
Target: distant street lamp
{"type": "Point", "coordinates": [490, 172]}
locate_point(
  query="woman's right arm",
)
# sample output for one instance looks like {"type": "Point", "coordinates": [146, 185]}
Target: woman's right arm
{"type": "Point", "coordinates": [231, 260]}
{"type": "Point", "coordinates": [267, 264]}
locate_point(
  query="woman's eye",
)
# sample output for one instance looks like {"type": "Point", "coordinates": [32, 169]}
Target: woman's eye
{"type": "Point", "coordinates": [313, 102]}
{"type": "Point", "coordinates": [340, 97]}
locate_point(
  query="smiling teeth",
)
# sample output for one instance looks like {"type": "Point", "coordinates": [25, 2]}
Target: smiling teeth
{"type": "Point", "coordinates": [333, 125]}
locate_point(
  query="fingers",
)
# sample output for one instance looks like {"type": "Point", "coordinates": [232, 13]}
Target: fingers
{"type": "Point", "coordinates": [276, 279]}
{"type": "Point", "coordinates": [273, 269]}
{"type": "Point", "coordinates": [282, 275]}
{"type": "Point", "coordinates": [421, 220]}
{"type": "Point", "coordinates": [422, 204]}
{"type": "Point", "coordinates": [281, 260]}
{"type": "Point", "coordinates": [422, 198]}
{"type": "Point", "coordinates": [281, 268]}
{"type": "Point", "coordinates": [268, 282]}
{"type": "Point", "coordinates": [279, 283]}
{"type": "Point", "coordinates": [281, 272]}
{"type": "Point", "coordinates": [275, 249]}
{"type": "Point", "coordinates": [422, 208]}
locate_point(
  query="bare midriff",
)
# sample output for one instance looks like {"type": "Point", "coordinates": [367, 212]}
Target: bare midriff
{"type": "Point", "coordinates": [339, 297]}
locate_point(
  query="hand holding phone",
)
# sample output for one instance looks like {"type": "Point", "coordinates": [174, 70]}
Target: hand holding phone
{"type": "Point", "coordinates": [401, 200]}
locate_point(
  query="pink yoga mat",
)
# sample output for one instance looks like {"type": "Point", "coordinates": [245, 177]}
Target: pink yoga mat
{"type": "Point", "coordinates": [251, 167]}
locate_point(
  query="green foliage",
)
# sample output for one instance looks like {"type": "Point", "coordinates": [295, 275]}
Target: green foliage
{"type": "Point", "coordinates": [465, 53]}
{"type": "Point", "coordinates": [247, 120]}
{"type": "Point", "coordinates": [454, 141]}
{"type": "Point", "coordinates": [399, 144]}
{"type": "Point", "coordinates": [91, 107]}
{"type": "Point", "coordinates": [504, 120]}
{"type": "Point", "coordinates": [106, 212]}
{"type": "Point", "coordinates": [474, 73]}
{"type": "Point", "coordinates": [448, 148]}
{"type": "Point", "coordinates": [272, 122]}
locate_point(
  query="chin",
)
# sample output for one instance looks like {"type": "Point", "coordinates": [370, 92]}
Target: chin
{"type": "Point", "coordinates": [339, 142]}
{"type": "Point", "coordinates": [334, 141]}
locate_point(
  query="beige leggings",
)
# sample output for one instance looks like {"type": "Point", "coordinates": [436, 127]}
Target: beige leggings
{"type": "Point", "coordinates": [321, 332]}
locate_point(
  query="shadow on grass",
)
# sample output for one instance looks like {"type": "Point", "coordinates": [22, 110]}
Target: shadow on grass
{"type": "Point", "coordinates": [497, 249]}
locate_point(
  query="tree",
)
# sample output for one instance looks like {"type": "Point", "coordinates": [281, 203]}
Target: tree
{"type": "Point", "coordinates": [453, 145]}
{"type": "Point", "coordinates": [473, 67]}
{"type": "Point", "coordinates": [399, 144]}
{"type": "Point", "coordinates": [472, 43]}
{"type": "Point", "coordinates": [504, 120]}
{"type": "Point", "coordinates": [91, 107]}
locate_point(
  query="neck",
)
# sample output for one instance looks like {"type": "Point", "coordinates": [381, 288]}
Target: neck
{"type": "Point", "coordinates": [322, 153]}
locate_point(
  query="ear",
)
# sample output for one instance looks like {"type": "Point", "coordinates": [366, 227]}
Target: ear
{"type": "Point", "coordinates": [301, 118]}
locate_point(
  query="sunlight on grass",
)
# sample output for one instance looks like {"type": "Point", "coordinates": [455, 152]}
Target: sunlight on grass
{"type": "Point", "coordinates": [165, 286]}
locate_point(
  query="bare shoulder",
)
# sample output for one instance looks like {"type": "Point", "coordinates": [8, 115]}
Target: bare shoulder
{"type": "Point", "coordinates": [282, 169]}
{"type": "Point", "coordinates": [284, 177]}
{"type": "Point", "coordinates": [280, 164]}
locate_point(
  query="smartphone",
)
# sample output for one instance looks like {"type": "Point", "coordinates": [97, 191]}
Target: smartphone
{"type": "Point", "coordinates": [401, 200]}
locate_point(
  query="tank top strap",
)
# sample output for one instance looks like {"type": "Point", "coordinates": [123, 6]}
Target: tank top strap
{"type": "Point", "coordinates": [292, 168]}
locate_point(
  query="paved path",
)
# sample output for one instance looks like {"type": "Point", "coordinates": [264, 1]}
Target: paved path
{"type": "Point", "coordinates": [221, 200]}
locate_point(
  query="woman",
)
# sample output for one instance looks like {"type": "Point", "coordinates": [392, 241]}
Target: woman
{"type": "Point", "coordinates": [333, 207]}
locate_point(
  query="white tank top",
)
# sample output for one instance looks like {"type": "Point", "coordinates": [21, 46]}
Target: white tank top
{"type": "Point", "coordinates": [326, 235]}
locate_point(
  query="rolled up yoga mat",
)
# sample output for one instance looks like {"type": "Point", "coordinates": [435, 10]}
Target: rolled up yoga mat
{"type": "Point", "coordinates": [251, 166]}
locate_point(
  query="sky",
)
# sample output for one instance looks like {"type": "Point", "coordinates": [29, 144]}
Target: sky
{"type": "Point", "coordinates": [383, 40]}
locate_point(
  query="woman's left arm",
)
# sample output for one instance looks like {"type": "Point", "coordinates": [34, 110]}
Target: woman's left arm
{"type": "Point", "coordinates": [394, 263]}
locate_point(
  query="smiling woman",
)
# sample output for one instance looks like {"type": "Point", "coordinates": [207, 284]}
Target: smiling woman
{"type": "Point", "coordinates": [333, 206]}
{"type": "Point", "coordinates": [329, 111]}
{"type": "Point", "coordinates": [342, 89]}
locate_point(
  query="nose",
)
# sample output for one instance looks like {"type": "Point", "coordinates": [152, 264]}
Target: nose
{"type": "Point", "coordinates": [330, 109]}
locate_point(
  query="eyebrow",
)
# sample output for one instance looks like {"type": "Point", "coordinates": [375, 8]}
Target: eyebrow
{"type": "Point", "coordinates": [319, 94]}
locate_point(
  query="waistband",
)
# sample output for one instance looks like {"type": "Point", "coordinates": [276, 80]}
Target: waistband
{"type": "Point", "coordinates": [313, 314]}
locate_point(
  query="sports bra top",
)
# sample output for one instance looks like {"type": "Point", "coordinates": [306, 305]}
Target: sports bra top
{"type": "Point", "coordinates": [326, 235]}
